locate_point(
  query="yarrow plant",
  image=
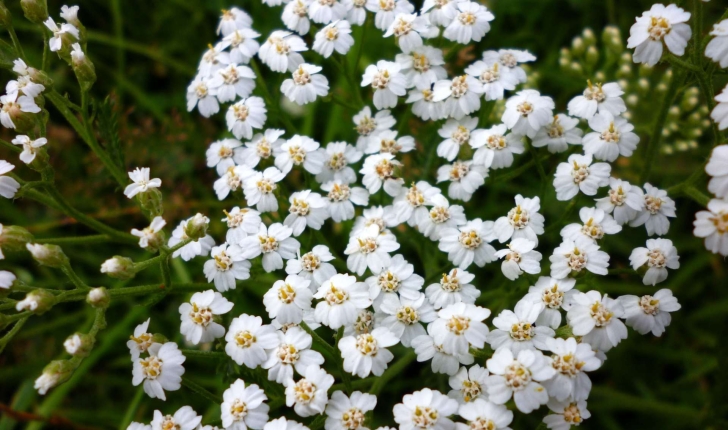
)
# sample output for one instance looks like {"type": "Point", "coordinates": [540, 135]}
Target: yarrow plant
{"type": "Point", "coordinates": [345, 276]}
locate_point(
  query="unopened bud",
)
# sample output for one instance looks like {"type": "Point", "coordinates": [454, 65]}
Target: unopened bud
{"type": "Point", "coordinates": [54, 373]}
{"type": "Point", "coordinates": [98, 298]}
{"type": "Point", "coordinates": [592, 55]}
{"type": "Point", "coordinates": [589, 38]}
{"type": "Point", "coordinates": [36, 301]}
{"type": "Point", "coordinates": [5, 17]}
{"type": "Point", "coordinates": [14, 238]}
{"type": "Point", "coordinates": [7, 279]}
{"type": "Point", "coordinates": [577, 46]}
{"type": "Point", "coordinates": [47, 255]}
{"type": "Point", "coordinates": [151, 202]}
{"type": "Point", "coordinates": [36, 11]}
{"type": "Point", "coordinates": [196, 227]}
{"type": "Point", "coordinates": [79, 344]}
{"type": "Point", "coordinates": [119, 267]}
{"type": "Point", "coordinates": [82, 67]}
{"type": "Point", "coordinates": [70, 14]}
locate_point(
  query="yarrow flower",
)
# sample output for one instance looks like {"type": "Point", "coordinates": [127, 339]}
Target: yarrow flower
{"type": "Point", "coordinates": [580, 174]}
{"type": "Point", "coordinates": [598, 98]}
{"type": "Point", "coordinates": [468, 243]}
{"type": "Point", "coordinates": [659, 255]}
{"type": "Point", "coordinates": [287, 299]}
{"type": "Point", "coordinates": [460, 326]}
{"type": "Point", "coordinates": [334, 37]}
{"type": "Point", "coordinates": [527, 112]}
{"type": "Point", "coordinates": [425, 409]}
{"type": "Point", "coordinates": [274, 243]}
{"type": "Point", "coordinates": [184, 419]}
{"type": "Point", "coordinates": [717, 168]}
{"type": "Point", "coordinates": [197, 316]}
{"type": "Point", "coordinates": [313, 265]}
{"type": "Point", "coordinates": [557, 135]}
{"type": "Point", "coordinates": [516, 330]}
{"type": "Point", "coordinates": [8, 186]}
{"type": "Point", "coordinates": [658, 207]}
{"type": "Point", "coordinates": [717, 48]}
{"type": "Point", "coordinates": [554, 295]}
{"type": "Point", "coordinates": [471, 23]}
{"type": "Point", "coordinates": [713, 226]}
{"type": "Point", "coordinates": [454, 287]}
{"type": "Point", "coordinates": [245, 115]}
{"type": "Point", "coordinates": [518, 258]}
{"type": "Point", "coordinates": [523, 221]}
{"type": "Point", "coordinates": [571, 360]}
{"type": "Point", "coordinates": [309, 396]}
{"type": "Point", "coordinates": [30, 147]}
{"type": "Point", "coordinates": [387, 81]}
{"type": "Point", "coordinates": [243, 407]}
{"type": "Point", "coordinates": [660, 23]}
{"type": "Point", "coordinates": [161, 371]}
{"type": "Point", "coordinates": [519, 376]}
{"type": "Point", "coordinates": [281, 51]}
{"type": "Point", "coordinates": [248, 339]}
{"type": "Point", "coordinates": [577, 255]}
{"type": "Point", "coordinates": [226, 266]}
{"type": "Point", "coordinates": [259, 188]}
{"type": "Point", "coordinates": [293, 352]}
{"type": "Point", "coordinates": [596, 318]}
{"type": "Point", "coordinates": [305, 85]}
{"type": "Point", "coordinates": [344, 412]}
{"type": "Point", "coordinates": [624, 202]}
{"type": "Point", "coordinates": [649, 313]}
{"type": "Point", "coordinates": [366, 353]}
{"type": "Point", "coordinates": [342, 296]}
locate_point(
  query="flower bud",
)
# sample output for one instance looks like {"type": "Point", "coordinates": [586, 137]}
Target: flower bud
{"type": "Point", "coordinates": [7, 279]}
{"type": "Point", "coordinates": [79, 344]}
{"type": "Point", "coordinates": [36, 11]}
{"type": "Point", "coordinates": [159, 338]}
{"type": "Point", "coordinates": [36, 301]}
{"type": "Point", "coordinates": [592, 56]}
{"type": "Point", "coordinates": [119, 267]}
{"type": "Point", "coordinates": [40, 77]}
{"type": "Point", "coordinates": [48, 255]}
{"type": "Point", "coordinates": [589, 38]}
{"type": "Point", "coordinates": [83, 68]}
{"type": "Point", "coordinates": [196, 227]}
{"type": "Point", "coordinates": [56, 372]}
{"type": "Point", "coordinates": [5, 17]}
{"type": "Point", "coordinates": [98, 298]}
{"type": "Point", "coordinates": [70, 14]}
{"type": "Point", "coordinates": [14, 238]}
{"type": "Point", "coordinates": [151, 202]}
{"type": "Point", "coordinates": [577, 46]}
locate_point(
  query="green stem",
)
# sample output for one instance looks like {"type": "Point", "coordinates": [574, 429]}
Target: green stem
{"type": "Point", "coordinates": [71, 274]}
{"type": "Point", "coordinates": [320, 341]}
{"type": "Point", "coordinates": [82, 240]}
{"type": "Point", "coordinates": [132, 409]}
{"type": "Point", "coordinates": [10, 146]}
{"type": "Point", "coordinates": [11, 334]}
{"type": "Point", "coordinates": [197, 388]}
{"type": "Point", "coordinates": [393, 371]}
{"type": "Point", "coordinates": [696, 195]}
{"type": "Point", "coordinates": [196, 353]}
{"type": "Point", "coordinates": [16, 42]}
{"type": "Point", "coordinates": [344, 374]}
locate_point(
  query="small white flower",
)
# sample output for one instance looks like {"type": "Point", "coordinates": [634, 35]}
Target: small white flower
{"type": "Point", "coordinates": [274, 242]}
{"type": "Point", "coordinates": [25, 85]}
{"type": "Point", "coordinates": [485, 415]}
{"type": "Point", "coordinates": [293, 352]}
{"type": "Point", "coordinates": [56, 42]}
{"type": "Point", "coordinates": [200, 94]}
{"type": "Point", "coordinates": [313, 266]}
{"type": "Point", "coordinates": [578, 173]}
{"type": "Point", "coordinates": [243, 408]}
{"type": "Point", "coordinates": [422, 67]}
{"type": "Point", "coordinates": [713, 226]}
{"type": "Point", "coordinates": [342, 199]}
{"type": "Point", "coordinates": [161, 371]}
{"type": "Point", "coordinates": [30, 147]}
{"type": "Point", "coordinates": [366, 125]}
{"type": "Point", "coordinates": [334, 37]}
{"type": "Point", "coordinates": [553, 294]}
{"type": "Point", "coordinates": [194, 248]}
{"type": "Point", "coordinates": [658, 24]}
{"type": "Point", "coordinates": [456, 134]}
{"type": "Point", "coordinates": [140, 341]}
{"type": "Point", "coordinates": [468, 243]}
{"type": "Point", "coordinates": [197, 316]}
{"type": "Point", "coordinates": [649, 313]}
{"type": "Point", "coordinates": [241, 223]}
{"type": "Point", "coordinates": [441, 12]}
{"type": "Point", "coordinates": [342, 297]}
{"type": "Point", "coordinates": [184, 419]}
{"type": "Point", "coordinates": [577, 255]}
{"type": "Point", "coordinates": [598, 98]}
{"type": "Point", "coordinates": [454, 287]}
{"type": "Point", "coordinates": [248, 338]}
{"type": "Point", "coordinates": [659, 255]}
{"type": "Point", "coordinates": [611, 138]}
{"type": "Point", "coordinates": [386, 10]}
{"type": "Point", "coordinates": [140, 426]}
{"type": "Point", "coordinates": [233, 19]}
{"type": "Point", "coordinates": [624, 202]}
{"type": "Point", "coordinates": [426, 348]}
{"type": "Point", "coordinates": [326, 11]}
{"type": "Point", "coordinates": [460, 326]}
{"type": "Point", "coordinates": [494, 78]}
{"type": "Point", "coordinates": [305, 85]}
{"type": "Point", "coordinates": [345, 412]}
{"type": "Point", "coordinates": [378, 171]}
{"type": "Point", "coordinates": [336, 165]}
{"type": "Point", "coordinates": [287, 300]}
{"type": "Point", "coordinates": [510, 59]}
{"type": "Point", "coordinates": [6, 279]}
{"type": "Point", "coordinates": [409, 29]}
{"type": "Point", "coordinates": [654, 215]}
{"type": "Point", "coordinates": [232, 81]}
{"type": "Point", "coordinates": [397, 279]}
{"type": "Point", "coordinates": [441, 216]}
{"type": "Point", "coordinates": [386, 142]}
{"type": "Point", "coordinates": [523, 221]}
{"type": "Point", "coordinates": [300, 151]}
{"type": "Point", "coordinates": [516, 330]}
{"type": "Point", "coordinates": [226, 266]}
{"type": "Point", "coordinates": [259, 189]}
{"type": "Point", "coordinates": [295, 17]}
{"type": "Point", "coordinates": [468, 385]}
{"type": "Point", "coordinates": [242, 44]}
{"type": "Point", "coordinates": [231, 180]}
{"type": "Point", "coordinates": [717, 168]}
{"type": "Point", "coordinates": [425, 106]}
{"type": "Point", "coordinates": [595, 225]}
{"type": "Point", "coordinates": [386, 80]}
{"type": "Point", "coordinates": [281, 423]}
{"type": "Point", "coordinates": [495, 148]}
{"type": "Point", "coordinates": [12, 105]}
{"type": "Point", "coordinates": [307, 209]}
{"type": "Point", "coordinates": [527, 112]}
{"type": "Point", "coordinates": [410, 205]}
{"type": "Point", "coordinates": [719, 113]}
{"type": "Point", "coordinates": [371, 249]}
{"type": "Point", "coordinates": [461, 95]}
{"type": "Point", "coordinates": [244, 116]}
{"type": "Point", "coordinates": [261, 147]}
{"type": "Point", "coordinates": [518, 377]}
{"type": "Point", "coordinates": [366, 353]}
{"type": "Point", "coordinates": [281, 51]}
{"type": "Point", "coordinates": [220, 154]}
{"type": "Point", "coordinates": [214, 59]}
{"type": "Point", "coordinates": [571, 360]}
{"type": "Point", "coordinates": [465, 178]}
{"type": "Point", "coordinates": [403, 316]}
{"type": "Point", "coordinates": [566, 414]}
{"type": "Point", "coordinates": [559, 134]}
{"type": "Point", "coordinates": [518, 258]}
{"type": "Point", "coordinates": [309, 396]}
{"type": "Point", "coordinates": [470, 24]}
{"type": "Point", "coordinates": [717, 48]}
{"type": "Point", "coordinates": [425, 409]}
{"type": "Point", "coordinates": [356, 12]}
{"type": "Point", "coordinates": [596, 318]}
{"type": "Point", "coordinates": [141, 182]}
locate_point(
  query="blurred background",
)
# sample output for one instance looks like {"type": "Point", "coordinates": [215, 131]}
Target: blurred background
{"type": "Point", "coordinates": [146, 53]}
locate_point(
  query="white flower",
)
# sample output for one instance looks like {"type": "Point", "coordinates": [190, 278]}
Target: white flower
{"type": "Point", "coordinates": [527, 112]}
{"type": "Point", "coordinates": [345, 412]}
{"type": "Point", "coordinates": [596, 318]}
{"type": "Point", "coordinates": [309, 395]}
{"type": "Point", "coordinates": [214, 59]}
{"type": "Point", "coordinates": [441, 216]}
{"type": "Point", "coordinates": [287, 300]}
{"type": "Point", "coordinates": [307, 209]}
{"type": "Point", "coordinates": [232, 81]}
{"type": "Point", "coordinates": [293, 352]}
{"type": "Point", "coordinates": [580, 174]}
{"type": "Point", "coordinates": [409, 29]}
{"type": "Point", "coordinates": [523, 221]}
{"type": "Point", "coordinates": [717, 168]}
{"type": "Point", "coordinates": [336, 166]}
{"type": "Point", "coordinates": [422, 67]}
{"type": "Point", "coordinates": [566, 414]}
{"type": "Point", "coordinates": [244, 116]}
{"type": "Point", "coordinates": [140, 341]}
{"type": "Point", "coordinates": [516, 330]}
{"type": "Point", "coordinates": [624, 202]}
{"type": "Point", "coordinates": [6, 279]}
{"type": "Point", "coordinates": [313, 265]}
{"type": "Point", "coordinates": [193, 248]}
{"type": "Point", "coordinates": [654, 215]}
{"type": "Point", "coordinates": [261, 147]}
{"type": "Point", "coordinates": [141, 182]}
{"type": "Point", "coordinates": [410, 205]}
{"type": "Point", "coordinates": [426, 348]}
{"type": "Point", "coordinates": [649, 313]}
{"type": "Point", "coordinates": [356, 11]}
{"type": "Point", "coordinates": [378, 171]}
{"type": "Point", "coordinates": [468, 243]}
{"type": "Point", "coordinates": [281, 51]}
{"type": "Point", "coordinates": [553, 294]}
{"type": "Point", "coordinates": [396, 278]}
{"type": "Point", "coordinates": [481, 414]}
{"type": "Point", "coordinates": [717, 48]}
{"type": "Point", "coordinates": [233, 19]}
{"type": "Point", "coordinates": [184, 419]}
{"type": "Point", "coordinates": [658, 24]}
{"type": "Point", "coordinates": [426, 410]}
{"type": "Point", "coordinates": [518, 377]}
{"type": "Point", "coordinates": [29, 147]}
{"type": "Point", "coordinates": [465, 178]}
{"type": "Point", "coordinates": [425, 106]}
{"type": "Point", "coordinates": [577, 255]}
{"type": "Point", "coordinates": [241, 223]}
{"type": "Point", "coordinates": [386, 80]}
{"type": "Point", "coordinates": [300, 151]}
{"type": "Point", "coordinates": [305, 85]}
{"type": "Point", "coordinates": [248, 338]}
{"type": "Point", "coordinates": [274, 242]}
{"type": "Point", "coordinates": [461, 95]}
{"type": "Point", "coordinates": [460, 326]}
{"type": "Point", "coordinates": [231, 180]}
{"type": "Point", "coordinates": [659, 255]}
{"type": "Point", "coordinates": [12, 105]}
{"type": "Point", "coordinates": [468, 385]}
{"type": "Point", "coordinates": [226, 266]}
{"type": "Point", "coordinates": [295, 17]}
{"type": "Point", "coordinates": [197, 316]}
{"type": "Point", "coordinates": [326, 11]}
{"type": "Point", "coordinates": [713, 226]}
{"type": "Point", "coordinates": [242, 44]}
{"type": "Point", "coordinates": [220, 154]}
{"type": "Point", "coordinates": [454, 287]}
{"type": "Point", "coordinates": [611, 138]}
{"type": "Point", "coordinates": [386, 10]}
{"type": "Point", "coordinates": [404, 316]}
{"type": "Point", "coordinates": [571, 360]}
{"type": "Point", "coordinates": [366, 125]}
{"type": "Point", "coordinates": [342, 199]}
{"type": "Point", "coordinates": [342, 297]}
{"type": "Point", "coordinates": [243, 408]}
{"type": "Point", "coordinates": [456, 134]}
{"type": "Point", "coordinates": [200, 94]}
{"type": "Point", "coordinates": [441, 12]}
{"type": "Point", "coordinates": [598, 98]}
{"type": "Point", "coordinates": [520, 257]}
{"type": "Point", "coordinates": [259, 189]}
{"type": "Point", "coordinates": [334, 37]}
{"type": "Point", "coordinates": [161, 371]}
{"type": "Point", "coordinates": [509, 59]}
{"type": "Point", "coordinates": [139, 426]}
{"type": "Point", "coordinates": [56, 42]}
{"type": "Point", "coordinates": [595, 225]}
{"type": "Point", "coordinates": [25, 85]}
{"type": "Point", "coordinates": [370, 248]}
{"type": "Point", "coordinates": [386, 142]}
{"type": "Point", "coordinates": [494, 78]}
{"type": "Point", "coordinates": [470, 24]}
{"type": "Point", "coordinates": [281, 423]}
{"type": "Point", "coordinates": [495, 149]}
{"type": "Point", "coordinates": [366, 353]}
{"type": "Point", "coordinates": [559, 134]}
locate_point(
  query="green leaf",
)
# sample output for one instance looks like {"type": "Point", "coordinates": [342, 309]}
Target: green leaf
{"type": "Point", "coordinates": [108, 125]}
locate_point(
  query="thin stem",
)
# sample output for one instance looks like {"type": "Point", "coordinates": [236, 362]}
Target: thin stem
{"type": "Point", "coordinates": [71, 274]}
{"type": "Point", "coordinates": [196, 353]}
{"type": "Point", "coordinates": [11, 334]}
{"type": "Point", "coordinates": [344, 374]}
{"type": "Point", "coordinates": [392, 371]}
{"type": "Point", "coordinates": [199, 389]}
{"type": "Point", "coordinates": [16, 43]}
{"type": "Point", "coordinates": [80, 240]}
{"type": "Point", "coordinates": [10, 146]}
{"type": "Point", "coordinates": [320, 341]}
